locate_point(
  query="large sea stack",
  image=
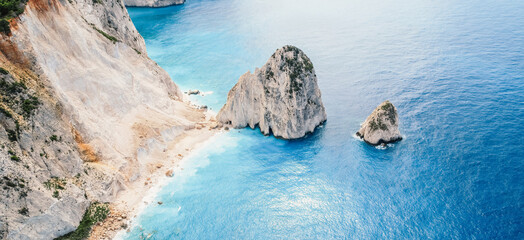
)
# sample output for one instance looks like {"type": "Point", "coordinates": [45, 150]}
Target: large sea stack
{"type": "Point", "coordinates": [381, 127]}
{"type": "Point", "coordinates": [282, 97]}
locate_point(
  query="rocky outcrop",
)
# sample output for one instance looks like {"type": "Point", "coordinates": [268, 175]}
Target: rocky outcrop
{"type": "Point", "coordinates": [381, 127]}
{"type": "Point", "coordinates": [39, 162]}
{"type": "Point", "coordinates": [152, 3]}
{"type": "Point", "coordinates": [83, 113]}
{"type": "Point", "coordinates": [282, 97]}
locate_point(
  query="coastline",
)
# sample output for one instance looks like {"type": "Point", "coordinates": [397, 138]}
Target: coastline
{"type": "Point", "coordinates": [130, 202]}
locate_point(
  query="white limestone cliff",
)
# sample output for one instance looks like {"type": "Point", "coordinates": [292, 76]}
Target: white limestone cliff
{"type": "Point", "coordinates": [381, 127]}
{"type": "Point", "coordinates": [282, 97]}
{"type": "Point", "coordinates": [91, 111]}
{"type": "Point", "coordinates": [152, 3]}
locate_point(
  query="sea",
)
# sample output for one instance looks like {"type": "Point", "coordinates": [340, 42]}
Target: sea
{"type": "Point", "coordinates": [454, 70]}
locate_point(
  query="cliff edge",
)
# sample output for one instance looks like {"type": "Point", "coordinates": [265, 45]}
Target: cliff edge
{"type": "Point", "coordinates": [282, 97]}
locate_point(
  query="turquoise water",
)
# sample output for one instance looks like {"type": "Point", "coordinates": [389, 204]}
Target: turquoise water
{"type": "Point", "coordinates": [454, 69]}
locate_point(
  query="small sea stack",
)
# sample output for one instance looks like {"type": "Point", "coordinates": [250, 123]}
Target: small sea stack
{"type": "Point", "coordinates": [381, 127]}
{"type": "Point", "coordinates": [281, 98]}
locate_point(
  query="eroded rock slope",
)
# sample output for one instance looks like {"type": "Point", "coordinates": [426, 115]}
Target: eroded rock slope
{"type": "Point", "coordinates": [83, 113]}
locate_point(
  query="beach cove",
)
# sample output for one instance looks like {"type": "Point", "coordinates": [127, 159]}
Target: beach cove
{"type": "Point", "coordinates": [454, 76]}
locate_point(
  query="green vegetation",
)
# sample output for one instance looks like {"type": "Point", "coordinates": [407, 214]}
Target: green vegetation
{"type": "Point", "coordinates": [297, 66]}
{"type": "Point", "coordinates": [55, 183]}
{"type": "Point", "coordinates": [15, 184]}
{"type": "Point", "coordinates": [54, 138]}
{"type": "Point", "coordinates": [3, 71]}
{"type": "Point", "coordinates": [308, 65]}
{"type": "Point", "coordinates": [97, 2]}
{"type": "Point", "coordinates": [376, 124]}
{"type": "Point", "coordinates": [12, 88]}
{"type": "Point", "coordinates": [269, 74]}
{"type": "Point", "coordinates": [11, 135]}
{"type": "Point", "coordinates": [97, 212]}
{"type": "Point", "coordinates": [10, 9]}
{"type": "Point", "coordinates": [15, 158]}
{"type": "Point", "coordinates": [10, 184]}
{"type": "Point", "coordinates": [30, 104]}
{"type": "Point", "coordinates": [24, 211]}
{"type": "Point", "coordinates": [15, 95]}
{"type": "Point", "coordinates": [56, 194]}
{"type": "Point", "coordinates": [4, 26]}
{"type": "Point", "coordinates": [137, 51]}
{"type": "Point", "coordinates": [113, 39]}
{"type": "Point", "coordinates": [390, 111]}
{"type": "Point", "coordinates": [5, 112]}
{"type": "Point", "coordinates": [387, 106]}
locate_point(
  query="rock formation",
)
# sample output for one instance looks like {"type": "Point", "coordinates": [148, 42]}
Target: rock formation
{"type": "Point", "coordinates": [83, 113]}
{"type": "Point", "coordinates": [282, 97]}
{"type": "Point", "coordinates": [152, 3]}
{"type": "Point", "coordinates": [381, 127]}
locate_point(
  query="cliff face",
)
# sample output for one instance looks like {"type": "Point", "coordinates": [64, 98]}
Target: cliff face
{"type": "Point", "coordinates": [153, 3]}
{"type": "Point", "coordinates": [84, 113]}
{"type": "Point", "coordinates": [40, 195]}
{"type": "Point", "coordinates": [282, 97]}
{"type": "Point", "coordinates": [381, 127]}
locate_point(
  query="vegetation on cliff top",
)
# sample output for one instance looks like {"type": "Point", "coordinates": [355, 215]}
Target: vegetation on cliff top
{"type": "Point", "coordinates": [10, 9]}
{"type": "Point", "coordinates": [298, 66]}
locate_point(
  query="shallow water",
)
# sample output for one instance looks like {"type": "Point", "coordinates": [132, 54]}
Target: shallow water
{"type": "Point", "coordinates": [454, 70]}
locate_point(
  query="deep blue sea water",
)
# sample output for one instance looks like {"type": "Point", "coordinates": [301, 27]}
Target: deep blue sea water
{"type": "Point", "coordinates": [454, 70]}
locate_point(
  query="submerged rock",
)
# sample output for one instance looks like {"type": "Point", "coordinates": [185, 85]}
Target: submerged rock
{"type": "Point", "coordinates": [193, 92]}
{"type": "Point", "coordinates": [282, 97]}
{"type": "Point", "coordinates": [152, 3]}
{"type": "Point", "coordinates": [381, 127]}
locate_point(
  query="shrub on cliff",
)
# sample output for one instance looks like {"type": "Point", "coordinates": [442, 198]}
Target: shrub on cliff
{"type": "Point", "coordinates": [4, 26]}
{"type": "Point", "coordinates": [8, 10]}
{"type": "Point", "coordinates": [97, 212]}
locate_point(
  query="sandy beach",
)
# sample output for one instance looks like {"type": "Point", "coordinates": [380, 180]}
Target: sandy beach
{"type": "Point", "coordinates": [142, 192]}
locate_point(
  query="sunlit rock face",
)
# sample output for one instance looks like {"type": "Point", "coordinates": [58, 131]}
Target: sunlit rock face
{"type": "Point", "coordinates": [84, 113]}
{"type": "Point", "coordinates": [381, 127]}
{"type": "Point", "coordinates": [282, 97]}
